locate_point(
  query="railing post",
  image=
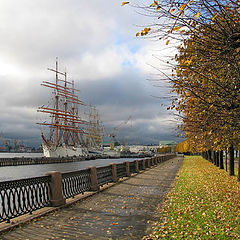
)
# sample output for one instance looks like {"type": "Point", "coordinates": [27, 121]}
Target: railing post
{"type": "Point", "coordinates": [94, 181]}
{"type": "Point", "coordinates": [114, 172]}
{"type": "Point", "coordinates": [136, 166]}
{"type": "Point", "coordinates": [143, 164]}
{"type": "Point", "coordinates": [128, 173]}
{"type": "Point", "coordinates": [56, 196]}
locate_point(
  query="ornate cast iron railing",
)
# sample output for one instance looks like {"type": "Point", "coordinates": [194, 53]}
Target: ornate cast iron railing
{"type": "Point", "coordinates": [140, 164]}
{"type": "Point", "coordinates": [121, 170]}
{"type": "Point", "coordinates": [23, 196]}
{"type": "Point", "coordinates": [104, 175]}
{"type": "Point", "coordinates": [74, 183]}
{"type": "Point", "coordinates": [26, 195]}
{"type": "Point", "coordinates": [132, 167]}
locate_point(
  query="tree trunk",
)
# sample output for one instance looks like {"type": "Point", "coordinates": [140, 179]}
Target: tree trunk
{"type": "Point", "coordinates": [221, 160]}
{"type": "Point", "coordinates": [210, 155]}
{"type": "Point", "coordinates": [226, 160]}
{"type": "Point", "coordinates": [231, 160]}
{"type": "Point", "coordinates": [217, 158]}
{"type": "Point", "coordinates": [214, 157]}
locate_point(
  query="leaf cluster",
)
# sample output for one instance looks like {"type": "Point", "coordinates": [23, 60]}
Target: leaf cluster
{"type": "Point", "coordinates": [207, 76]}
{"type": "Point", "coordinates": [207, 81]}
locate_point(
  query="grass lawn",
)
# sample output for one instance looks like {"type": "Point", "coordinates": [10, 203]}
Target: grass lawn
{"type": "Point", "coordinates": [205, 204]}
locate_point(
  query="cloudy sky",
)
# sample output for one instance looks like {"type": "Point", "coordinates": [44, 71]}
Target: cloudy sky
{"type": "Point", "coordinates": [95, 43]}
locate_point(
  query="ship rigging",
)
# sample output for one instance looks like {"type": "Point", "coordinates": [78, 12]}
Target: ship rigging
{"type": "Point", "coordinates": [67, 125]}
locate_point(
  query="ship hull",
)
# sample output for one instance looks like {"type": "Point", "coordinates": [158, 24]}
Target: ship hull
{"type": "Point", "coordinates": [63, 151]}
{"type": "Point", "coordinates": [94, 152]}
{"type": "Point", "coordinates": [112, 153]}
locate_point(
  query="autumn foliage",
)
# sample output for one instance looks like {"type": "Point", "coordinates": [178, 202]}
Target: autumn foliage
{"type": "Point", "coordinates": [207, 83]}
{"type": "Point", "coordinates": [206, 78]}
{"type": "Point", "coordinates": [164, 150]}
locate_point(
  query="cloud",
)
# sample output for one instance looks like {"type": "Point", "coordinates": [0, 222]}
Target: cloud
{"type": "Point", "coordinates": [96, 44]}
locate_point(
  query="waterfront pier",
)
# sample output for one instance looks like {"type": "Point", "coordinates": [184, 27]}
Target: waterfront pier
{"type": "Point", "coordinates": [124, 210]}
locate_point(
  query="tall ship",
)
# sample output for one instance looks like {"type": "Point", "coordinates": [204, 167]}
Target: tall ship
{"type": "Point", "coordinates": [95, 133]}
{"type": "Point", "coordinates": [68, 130]}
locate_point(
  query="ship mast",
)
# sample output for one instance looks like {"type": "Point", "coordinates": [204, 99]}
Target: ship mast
{"type": "Point", "coordinates": [91, 126]}
{"type": "Point", "coordinates": [65, 107]}
{"type": "Point", "coordinates": [56, 97]}
{"type": "Point", "coordinates": [73, 112]}
{"type": "Point", "coordinates": [66, 118]}
{"type": "Point", "coordinates": [98, 134]}
{"type": "Point", "coordinates": [95, 126]}
{"type": "Point", "coordinates": [94, 134]}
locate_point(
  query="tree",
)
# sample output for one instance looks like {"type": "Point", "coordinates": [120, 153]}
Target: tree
{"type": "Point", "coordinates": [207, 76]}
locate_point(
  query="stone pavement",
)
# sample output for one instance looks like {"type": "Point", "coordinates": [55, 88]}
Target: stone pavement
{"type": "Point", "coordinates": [126, 210]}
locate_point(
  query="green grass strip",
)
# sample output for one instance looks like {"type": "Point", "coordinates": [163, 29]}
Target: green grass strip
{"type": "Point", "coordinates": [205, 204]}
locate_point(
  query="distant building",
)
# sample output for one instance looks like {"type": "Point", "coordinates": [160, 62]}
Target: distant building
{"type": "Point", "coordinates": [143, 148]}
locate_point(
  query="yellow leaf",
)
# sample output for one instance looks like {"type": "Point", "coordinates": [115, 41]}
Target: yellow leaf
{"type": "Point", "coordinates": [158, 8]}
{"type": "Point", "coordinates": [137, 34]}
{"type": "Point", "coordinates": [172, 10]}
{"type": "Point", "coordinates": [183, 7]}
{"type": "Point", "coordinates": [124, 3]}
{"type": "Point", "coordinates": [215, 15]}
{"type": "Point", "coordinates": [211, 106]}
{"type": "Point", "coordinates": [167, 42]}
{"type": "Point", "coordinates": [147, 29]}
{"type": "Point", "coordinates": [198, 15]}
{"type": "Point", "coordinates": [176, 28]}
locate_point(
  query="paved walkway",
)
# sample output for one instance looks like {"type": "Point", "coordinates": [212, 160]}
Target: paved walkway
{"type": "Point", "coordinates": [124, 211]}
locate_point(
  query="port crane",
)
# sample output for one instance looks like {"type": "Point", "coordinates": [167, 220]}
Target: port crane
{"type": "Point", "coordinates": [113, 134]}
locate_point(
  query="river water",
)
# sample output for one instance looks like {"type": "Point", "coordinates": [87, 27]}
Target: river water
{"type": "Point", "coordinates": [27, 171]}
